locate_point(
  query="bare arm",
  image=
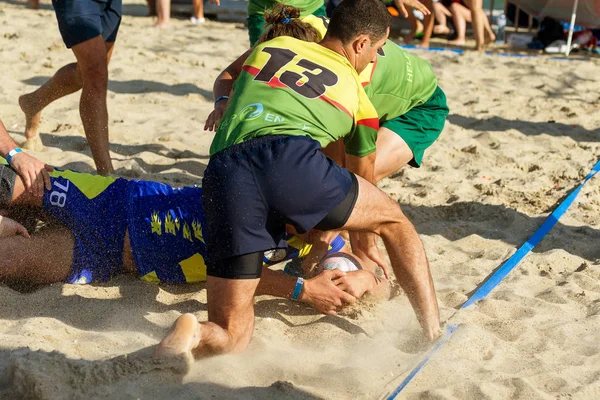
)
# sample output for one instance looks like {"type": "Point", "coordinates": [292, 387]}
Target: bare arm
{"type": "Point", "coordinates": [321, 292]}
{"type": "Point", "coordinates": [359, 283]}
{"type": "Point", "coordinates": [223, 86]}
{"type": "Point", "coordinates": [364, 244]}
{"type": "Point", "coordinates": [33, 172]}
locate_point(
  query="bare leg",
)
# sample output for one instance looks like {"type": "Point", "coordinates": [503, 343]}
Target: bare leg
{"type": "Point", "coordinates": [163, 10]}
{"type": "Point", "coordinates": [198, 10]}
{"type": "Point", "coordinates": [490, 36]}
{"type": "Point", "coordinates": [428, 22]}
{"type": "Point", "coordinates": [375, 212]}
{"type": "Point", "coordinates": [65, 81]}
{"type": "Point", "coordinates": [230, 326]}
{"type": "Point", "coordinates": [477, 18]}
{"type": "Point", "coordinates": [33, 4]}
{"type": "Point", "coordinates": [45, 258]}
{"type": "Point", "coordinates": [392, 153]}
{"type": "Point", "coordinates": [441, 16]}
{"type": "Point", "coordinates": [415, 27]}
{"type": "Point", "coordinates": [92, 60]}
{"type": "Point", "coordinates": [460, 16]}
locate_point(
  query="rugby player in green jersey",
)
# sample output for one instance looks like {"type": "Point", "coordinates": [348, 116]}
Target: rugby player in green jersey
{"type": "Point", "coordinates": [402, 87]}
{"type": "Point", "coordinates": [266, 170]}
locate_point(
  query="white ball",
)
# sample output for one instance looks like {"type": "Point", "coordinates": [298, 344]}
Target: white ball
{"type": "Point", "coordinates": [342, 261]}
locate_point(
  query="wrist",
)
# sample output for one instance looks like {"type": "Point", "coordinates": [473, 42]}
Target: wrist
{"type": "Point", "coordinates": [11, 154]}
{"type": "Point", "coordinates": [298, 289]}
{"type": "Point", "coordinates": [220, 98]}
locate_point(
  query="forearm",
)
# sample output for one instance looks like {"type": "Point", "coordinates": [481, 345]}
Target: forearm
{"type": "Point", "coordinates": [223, 85]}
{"type": "Point", "coordinates": [275, 283]}
{"type": "Point", "coordinates": [414, 276]}
{"type": "Point", "coordinates": [224, 82]}
{"type": "Point", "coordinates": [6, 142]}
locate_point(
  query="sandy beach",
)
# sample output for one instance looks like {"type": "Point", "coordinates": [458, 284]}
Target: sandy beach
{"type": "Point", "coordinates": [521, 134]}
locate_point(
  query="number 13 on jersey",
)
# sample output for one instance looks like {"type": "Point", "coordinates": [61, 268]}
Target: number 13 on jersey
{"type": "Point", "coordinates": [311, 83]}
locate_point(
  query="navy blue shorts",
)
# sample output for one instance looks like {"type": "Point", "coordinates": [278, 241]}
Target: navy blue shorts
{"type": "Point", "coordinates": [253, 189]}
{"type": "Point", "coordinates": [81, 20]}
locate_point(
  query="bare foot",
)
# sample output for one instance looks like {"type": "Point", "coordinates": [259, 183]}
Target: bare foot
{"type": "Point", "coordinates": [32, 116]}
{"type": "Point", "coordinates": [456, 42]}
{"type": "Point", "coordinates": [161, 25]}
{"type": "Point", "coordinates": [441, 30]}
{"type": "Point", "coordinates": [181, 340]}
{"type": "Point", "coordinates": [489, 38]}
{"type": "Point", "coordinates": [34, 143]}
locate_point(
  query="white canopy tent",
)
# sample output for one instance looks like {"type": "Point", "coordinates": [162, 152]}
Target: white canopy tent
{"type": "Point", "coordinates": [581, 12]}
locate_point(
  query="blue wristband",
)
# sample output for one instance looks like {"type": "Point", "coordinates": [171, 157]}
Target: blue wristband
{"type": "Point", "coordinates": [13, 153]}
{"type": "Point", "coordinates": [220, 98]}
{"type": "Point", "coordinates": [298, 288]}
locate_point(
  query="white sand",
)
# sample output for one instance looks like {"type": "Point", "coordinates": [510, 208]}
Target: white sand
{"type": "Point", "coordinates": [486, 185]}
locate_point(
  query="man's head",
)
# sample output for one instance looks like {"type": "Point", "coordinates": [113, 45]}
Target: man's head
{"type": "Point", "coordinates": [362, 27]}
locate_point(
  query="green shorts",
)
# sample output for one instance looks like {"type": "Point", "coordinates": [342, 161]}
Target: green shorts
{"type": "Point", "coordinates": [256, 24]}
{"type": "Point", "coordinates": [420, 126]}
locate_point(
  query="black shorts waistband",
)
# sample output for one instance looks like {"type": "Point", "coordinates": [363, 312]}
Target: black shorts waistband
{"type": "Point", "coordinates": [257, 141]}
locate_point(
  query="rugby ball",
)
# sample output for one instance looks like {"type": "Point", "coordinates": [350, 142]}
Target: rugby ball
{"type": "Point", "coordinates": [342, 261]}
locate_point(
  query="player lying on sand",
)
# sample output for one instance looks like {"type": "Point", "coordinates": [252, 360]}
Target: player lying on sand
{"type": "Point", "coordinates": [266, 170]}
{"type": "Point", "coordinates": [402, 87]}
{"type": "Point", "coordinates": [100, 227]}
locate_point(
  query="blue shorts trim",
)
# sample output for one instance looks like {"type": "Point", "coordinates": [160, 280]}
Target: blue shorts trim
{"type": "Point", "coordinates": [82, 20]}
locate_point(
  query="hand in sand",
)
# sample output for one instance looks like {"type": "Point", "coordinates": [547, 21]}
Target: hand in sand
{"type": "Point", "coordinates": [402, 4]}
{"type": "Point", "coordinates": [356, 283]}
{"type": "Point", "coordinates": [9, 228]}
{"type": "Point", "coordinates": [366, 243]}
{"type": "Point", "coordinates": [322, 293]}
{"type": "Point", "coordinates": [33, 172]}
{"type": "Point", "coordinates": [215, 117]}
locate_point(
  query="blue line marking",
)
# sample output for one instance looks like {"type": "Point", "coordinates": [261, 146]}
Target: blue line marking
{"type": "Point", "coordinates": [490, 53]}
{"type": "Point", "coordinates": [501, 273]}
{"type": "Point", "coordinates": [449, 331]}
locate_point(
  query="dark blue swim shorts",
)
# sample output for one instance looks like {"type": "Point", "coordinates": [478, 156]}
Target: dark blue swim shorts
{"type": "Point", "coordinates": [253, 189]}
{"type": "Point", "coordinates": [82, 20]}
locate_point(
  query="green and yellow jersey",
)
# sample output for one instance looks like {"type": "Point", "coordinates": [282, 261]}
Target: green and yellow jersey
{"type": "Point", "coordinates": [396, 82]}
{"type": "Point", "coordinates": [291, 87]}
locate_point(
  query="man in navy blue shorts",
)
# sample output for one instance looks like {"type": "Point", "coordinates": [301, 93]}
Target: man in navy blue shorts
{"type": "Point", "coordinates": [89, 28]}
{"type": "Point", "coordinates": [267, 171]}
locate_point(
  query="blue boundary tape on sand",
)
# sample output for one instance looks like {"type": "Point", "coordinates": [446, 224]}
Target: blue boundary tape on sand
{"type": "Point", "coordinates": [490, 53]}
{"type": "Point", "coordinates": [500, 274]}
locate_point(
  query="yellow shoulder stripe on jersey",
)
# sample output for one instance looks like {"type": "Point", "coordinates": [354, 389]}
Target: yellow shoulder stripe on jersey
{"type": "Point", "coordinates": [90, 185]}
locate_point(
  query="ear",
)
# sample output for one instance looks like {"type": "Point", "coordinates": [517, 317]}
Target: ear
{"type": "Point", "coordinates": [361, 43]}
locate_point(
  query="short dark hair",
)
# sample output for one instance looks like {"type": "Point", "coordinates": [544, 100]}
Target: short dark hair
{"type": "Point", "coordinates": [359, 17]}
